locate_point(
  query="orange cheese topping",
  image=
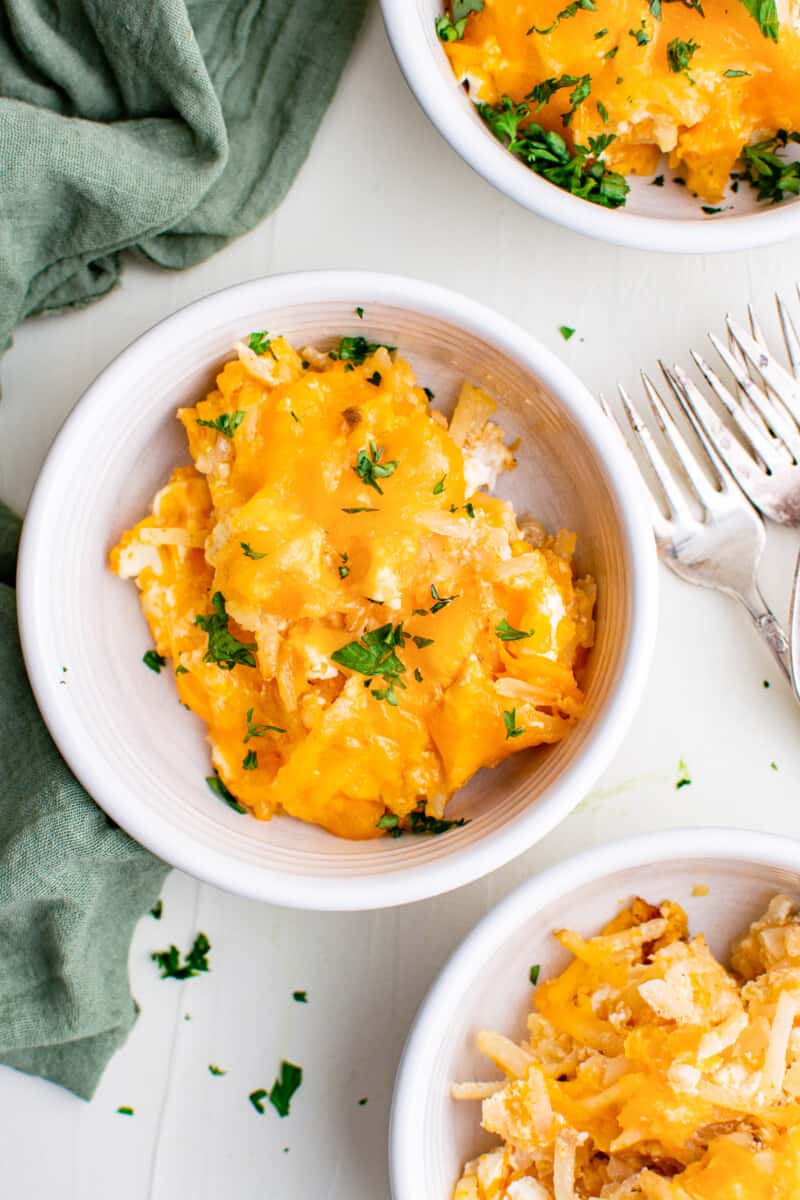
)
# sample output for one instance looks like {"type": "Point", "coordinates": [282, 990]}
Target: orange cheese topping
{"type": "Point", "coordinates": [650, 1070]}
{"type": "Point", "coordinates": [700, 117]}
{"type": "Point", "coordinates": [355, 590]}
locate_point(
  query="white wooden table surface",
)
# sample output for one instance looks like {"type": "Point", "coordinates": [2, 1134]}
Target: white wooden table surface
{"type": "Point", "coordinates": [381, 190]}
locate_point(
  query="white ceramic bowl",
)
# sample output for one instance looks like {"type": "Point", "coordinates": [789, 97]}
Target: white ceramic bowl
{"type": "Point", "coordinates": [485, 984]}
{"type": "Point", "coordinates": [666, 219]}
{"type": "Point", "coordinates": [120, 727]}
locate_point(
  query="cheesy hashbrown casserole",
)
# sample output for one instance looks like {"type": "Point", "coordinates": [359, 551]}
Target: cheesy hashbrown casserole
{"type": "Point", "coordinates": [358, 622]}
{"type": "Point", "coordinates": [650, 1070]}
{"type": "Point", "coordinates": [590, 92]}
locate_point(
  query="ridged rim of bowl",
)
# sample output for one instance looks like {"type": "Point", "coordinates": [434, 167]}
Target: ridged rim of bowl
{"type": "Point", "coordinates": [525, 901]}
{"type": "Point", "coordinates": [436, 94]}
{"type": "Point", "coordinates": [428, 879]}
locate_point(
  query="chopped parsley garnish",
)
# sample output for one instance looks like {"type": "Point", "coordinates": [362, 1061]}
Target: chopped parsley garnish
{"type": "Point", "coordinates": [510, 721]}
{"type": "Point", "coordinates": [154, 660]}
{"type": "Point", "coordinates": [285, 1087]}
{"type": "Point", "coordinates": [418, 822]}
{"type": "Point", "coordinates": [774, 766]}
{"type": "Point", "coordinates": [732, 74]}
{"type": "Point", "coordinates": [580, 171]}
{"type": "Point", "coordinates": [125, 1111]}
{"type": "Point", "coordinates": [601, 108]}
{"type": "Point", "coordinates": [439, 487]}
{"type": "Point", "coordinates": [259, 341]}
{"type": "Point", "coordinates": [300, 997]}
{"type": "Point", "coordinates": [218, 788]}
{"type": "Point", "coordinates": [680, 55]}
{"type": "Point", "coordinates": [544, 92]}
{"type": "Point", "coordinates": [566, 13]}
{"type": "Point", "coordinates": [360, 313]}
{"type": "Point", "coordinates": [375, 379]}
{"type": "Point", "coordinates": [533, 974]}
{"type": "Point", "coordinates": [450, 28]}
{"type": "Point", "coordinates": [773, 177]}
{"type": "Point", "coordinates": [421, 642]}
{"type": "Point", "coordinates": [355, 349]}
{"type": "Point", "coordinates": [601, 33]}
{"type": "Point", "coordinates": [223, 648]}
{"type": "Point", "coordinates": [658, 181]}
{"type": "Point", "coordinates": [428, 393]}
{"type": "Point", "coordinates": [363, 1101]}
{"type": "Point", "coordinates": [250, 761]}
{"type": "Point", "coordinates": [440, 601]}
{"type": "Point", "coordinates": [375, 655]}
{"type": "Point", "coordinates": [684, 779]}
{"type": "Point", "coordinates": [566, 332]}
{"type": "Point", "coordinates": [358, 510]}
{"type": "Point", "coordinates": [157, 911]}
{"type": "Point", "coordinates": [249, 552]}
{"type": "Point", "coordinates": [710, 210]}
{"type": "Point", "coordinates": [181, 669]}
{"type": "Point", "coordinates": [641, 35]}
{"type": "Point", "coordinates": [195, 963]}
{"type": "Point", "coordinates": [370, 469]}
{"type": "Point", "coordinates": [215, 1070]}
{"type": "Point", "coordinates": [418, 675]}
{"type": "Point", "coordinates": [507, 633]}
{"type": "Point", "coordinates": [765, 12]}
{"type": "Point", "coordinates": [344, 572]}
{"type": "Point", "coordinates": [258, 730]}
{"type": "Point", "coordinates": [655, 6]}
{"type": "Point", "coordinates": [225, 423]}
{"type": "Point", "coordinates": [257, 1099]}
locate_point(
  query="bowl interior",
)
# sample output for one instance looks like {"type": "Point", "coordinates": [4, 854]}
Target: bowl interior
{"type": "Point", "coordinates": [490, 990]}
{"type": "Point", "coordinates": [120, 726]}
{"type": "Point", "coordinates": [431, 77]}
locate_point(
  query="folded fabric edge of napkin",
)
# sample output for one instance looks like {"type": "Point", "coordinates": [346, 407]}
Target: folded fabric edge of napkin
{"type": "Point", "coordinates": [72, 887]}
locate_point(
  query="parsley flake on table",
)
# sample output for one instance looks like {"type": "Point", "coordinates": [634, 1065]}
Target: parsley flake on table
{"type": "Point", "coordinates": [285, 1087]}
{"type": "Point", "coordinates": [215, 1070]}
{"type": "Point", "coordinates": [360, 313]}
{"type": "Point", "coordinates": [154, 660]}
{"type": "Point", "coordinates": [219, 789]}
{"type": "Point", "coordinates": [510, 721]}
{"type": "Point", "coordinates": [258, 730]}
{"type": "Point", "coordinates": [533, 974]}
{"type": "Point", "coordinates": [684, 778]}
{"type": "Point", "coordinates": [507, 633]}
{"type": "Point", "coordinates": [223, 648]}
{"type": "Point", "coordinates": [566, 332]}
{"type": "Point", "coordinates": [259, 341]}
{"type": "Point", "coordinates": [125, 1111]}
{"type": "Point", "coordinates": [363, 1101]}
{"type": "Point", "coordinates": [195, 963]}
{"type": "Point", "coordinates": [157, 911]}
{"type": "Point", "coordinates": [225, 423]}
{"type": "Point", "coordinates": [257, 1099]}
{"type": "Point", "coordinates": [300, 997]}
{"type": "Point", "coordinates": [249, 552]}
{"type": "Point", "coordinates": [370, 469]}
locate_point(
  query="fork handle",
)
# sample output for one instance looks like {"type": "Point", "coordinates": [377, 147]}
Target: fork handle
{"type": "Point", "coordinates": [770, 629]}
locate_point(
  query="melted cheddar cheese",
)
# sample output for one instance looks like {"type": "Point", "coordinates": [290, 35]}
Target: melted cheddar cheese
{"type": "Point", "coordinates": [360, 625]}
{"type": "Point", "coordinates": [737, 85]}
{"type": "Point", "coordinates": [650, 1070]}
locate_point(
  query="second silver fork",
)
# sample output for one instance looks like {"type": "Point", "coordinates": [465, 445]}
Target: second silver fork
{"type": "Point", "coordinates": [722, 547]}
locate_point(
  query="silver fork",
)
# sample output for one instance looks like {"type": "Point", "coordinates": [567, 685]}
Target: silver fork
{"type": "Point", "coordinates": [722, 547]}
{"type": "Point", "coordinates": [765, 406]}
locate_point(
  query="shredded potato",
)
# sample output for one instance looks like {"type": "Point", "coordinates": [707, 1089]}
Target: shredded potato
{"type": "Point", "coordinates": [358, 622]}
{"type": "Point", "coordinates": [650, 1070]}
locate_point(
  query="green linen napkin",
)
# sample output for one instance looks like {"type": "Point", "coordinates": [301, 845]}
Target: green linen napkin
{"type": "Point", "coordinates": [168, 126]}
{"type": "Point", "coordinates": [72, 886]}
